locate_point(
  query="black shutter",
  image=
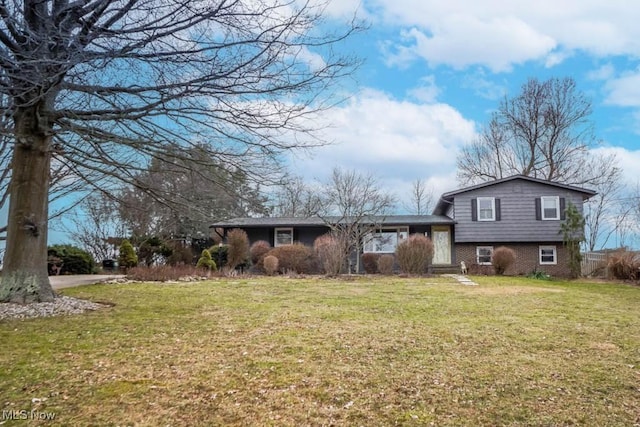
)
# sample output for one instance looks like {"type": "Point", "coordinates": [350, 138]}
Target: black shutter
{"type": "Point", "coordinates": [498, 214]}
{"type": "Point", "coordinates": [538, 209]}
{"type": "Point", "coordinates": [563, 208]}
{"type": "Point", "coordinates": [474, 209]}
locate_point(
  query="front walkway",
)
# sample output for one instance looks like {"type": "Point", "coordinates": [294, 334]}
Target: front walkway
{"type": "Point", "coordinates": [462, 279]}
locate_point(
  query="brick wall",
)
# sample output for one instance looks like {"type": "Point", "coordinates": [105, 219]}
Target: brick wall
{"type": "Point", "coordinates": [527, 258]}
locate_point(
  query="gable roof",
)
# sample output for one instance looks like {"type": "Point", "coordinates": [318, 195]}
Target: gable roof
{"type": "Point", "coordinates": [446, 199]}
{"type": "Point", "coordinates": [316, 221]}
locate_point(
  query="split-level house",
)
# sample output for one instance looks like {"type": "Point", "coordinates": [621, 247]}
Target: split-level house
{"type": "Point", "coordinates": [468, 224]}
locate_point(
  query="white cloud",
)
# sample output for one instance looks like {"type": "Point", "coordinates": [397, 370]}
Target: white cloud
{"type": "Point", "coordinates": [498, 43]}
{"type": "Point", "coordinates": [427, 91]}
{"type": "Point", "coordinates": [484, 87]}
{"type": "Point", "coordinates": [499, 34]}
{"type": "Point", "coordinates": [624, 91]}
{"type": "Point", "coordinates": [315, 61]}
{"type": "Point", "coordinates": [344, 8]}
{"type": "Point", "coordinates": [555, 58]}
{"type": "Point", "coordinates": [604, 72]}
{"type": "Point", "coordinates": [397, 141]}
{"type": "Point", "coordinates": [627, 160]}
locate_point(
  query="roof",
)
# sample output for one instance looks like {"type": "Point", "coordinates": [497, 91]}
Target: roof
{"type": "Point", "coordinates": [447, 198]}
{"type": "Point", "coordinates": [316, 221]}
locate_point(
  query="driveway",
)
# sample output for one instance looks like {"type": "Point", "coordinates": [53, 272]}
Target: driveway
{"type": "Point", "coordinates": [60, 282]}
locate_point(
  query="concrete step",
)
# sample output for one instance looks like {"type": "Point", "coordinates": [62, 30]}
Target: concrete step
{"type": "Point", "coordinates": [445, 269]}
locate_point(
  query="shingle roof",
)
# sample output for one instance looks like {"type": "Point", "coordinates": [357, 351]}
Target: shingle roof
{"type": "Point", "coordinates": [319, 222]}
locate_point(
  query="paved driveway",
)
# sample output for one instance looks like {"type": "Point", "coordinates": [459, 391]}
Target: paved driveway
{"type": "Point", "coordinates": [59, 282]}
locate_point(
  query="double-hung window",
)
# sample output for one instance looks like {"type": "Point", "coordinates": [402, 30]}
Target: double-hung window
{"type": "Point", "coordinates": [550, 207]}
{"type": "Point", "coordinates": [283, 236]}
{"type": "Point", "coordinates": [548, 255]}
{"type": "Point", "coordinates": [484, 254]}
{"type": "Point", "coordinates": [486, 209]}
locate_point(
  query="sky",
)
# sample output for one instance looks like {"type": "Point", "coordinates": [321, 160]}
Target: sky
{"type": "Point", "coordinates": [434, 71]}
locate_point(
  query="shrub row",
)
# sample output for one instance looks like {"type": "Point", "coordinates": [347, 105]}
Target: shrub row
{"type": "Point", "coordinates": [624, 265]}
{"type": "Point", "coordinates": [68, 259]}
{"type": "Point", "coordinates": [163, 273]}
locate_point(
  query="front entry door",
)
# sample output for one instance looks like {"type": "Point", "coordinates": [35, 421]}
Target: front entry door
{"type": "Point", "coordinates": [441, 236]}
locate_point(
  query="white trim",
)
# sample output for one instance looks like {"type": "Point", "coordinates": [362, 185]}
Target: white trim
{"type": "Point", "coordinates": [493, 208]}
{"type": "Point", "coordinates": [556, 200]}
{"type": "Point", "coordinates": [478, 248]}
{"type": "Point", "coordinates": [276, 243]}
{"type": "Point", "coordinates": [547, 248]}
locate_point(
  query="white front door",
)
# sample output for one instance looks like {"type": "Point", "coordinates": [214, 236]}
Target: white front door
{"type": "Point", "coordinates": [441, 237]}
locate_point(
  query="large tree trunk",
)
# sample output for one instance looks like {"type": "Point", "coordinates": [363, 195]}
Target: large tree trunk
{"type": "Point", "coordinates": [25, 277]}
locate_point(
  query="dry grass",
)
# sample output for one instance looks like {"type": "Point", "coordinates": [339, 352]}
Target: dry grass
{"type": "Point", "coordinates": [315, 351]}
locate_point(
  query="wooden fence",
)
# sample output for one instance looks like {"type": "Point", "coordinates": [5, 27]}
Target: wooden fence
{"type": "Point", "coordinates": [595, 263]}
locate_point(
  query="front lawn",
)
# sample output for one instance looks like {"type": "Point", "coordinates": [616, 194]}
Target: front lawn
{"type": "Point", "coordinates": [315, 351]}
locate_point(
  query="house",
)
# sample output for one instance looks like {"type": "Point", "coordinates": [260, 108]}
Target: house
{"type": "Point", "coordinates": [390, 230]}
{"type": "Point", "coordinates": [519, 212]}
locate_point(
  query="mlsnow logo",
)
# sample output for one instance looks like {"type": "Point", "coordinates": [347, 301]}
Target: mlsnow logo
{"type": "Point", "coordinates": [28, 415]}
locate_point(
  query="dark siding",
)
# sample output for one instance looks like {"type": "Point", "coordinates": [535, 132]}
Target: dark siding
{"type": "Point", "coordinates": [305, 235]}
{"type": "Point", "coordinates": [518, 211]}
{"type": "Point", "coordinates": [308, 235]}
{"type": "Point", "coordinates": [420, 229]}
{"type": "Point", "coordinates": [256, 234]}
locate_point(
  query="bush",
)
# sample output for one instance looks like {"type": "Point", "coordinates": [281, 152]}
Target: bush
{"type": "Point", "coordinates": [163, 273]}
{"type": "Point", "coordinates": [538, 275]}
{"type": "Point", "coordinates": [258, 251]}
{"type": "Point", "coordinates": [219, 255]}
{"type": "Point", "coordinates": [237, 248]}
{"type": "Point", "coordinates": [502, 259]}
{"type": "Point", "coordinates": [385, 264]}
{"type": "Point", "coordinates": [370, 263]}
{"type": "Point", "coordinates": [415, 254]}
{"type": "Point", "coordinates": [153, 250]}
{"type": "Point", "coordinates": [180, 254]}
{"type": "Point", "coordinates": [127, 257]}
{"type": "Point", "coordinates": [296, 258]}
{"type": "Point", "coordinates": [624, 265]}
{"type": "Point", "coordinates": [69, 259]}
{"type": "Point", "coordinates": [329, 250]}
{"type": "Point", "coordinates": [270, 265]}
{"type": "Point", "coordinates": [205, 261]}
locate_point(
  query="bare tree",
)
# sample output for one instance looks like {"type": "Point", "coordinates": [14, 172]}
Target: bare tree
{"type": "Point", "coordinates": [96, 224]}
{"type": "Point", "coordinates": [421, 198]}
{"type": "Point", "coordinates": [356, 205]}
{"type": "Point", "coordinates": [102, 86]}
{"type": "Point", "coordinates": [628, 227]}
{"type": "Point", "coordinates": [545, 132]}
{"type": "Point", "coordinates": [608, 210]}
{"type": "Point", "coordinates": [295, 198]}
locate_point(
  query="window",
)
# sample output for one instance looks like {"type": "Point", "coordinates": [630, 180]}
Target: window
{"type": "Point", "coordinates": [550, 207]}
{"type": "Point", "coordinates": [283, 236]}
{"type": "Point", "coordinates": [486, 209]}
{"type": "Point", "coordinates": [385, 240]}
{"type": "Point", "coordinates": [548, 255]}
{"type": "Point", "coordinates": [483, 255]}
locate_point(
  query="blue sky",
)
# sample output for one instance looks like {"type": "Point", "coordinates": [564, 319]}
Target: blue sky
{"type": "Point", "coordinates": [435, 70]}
